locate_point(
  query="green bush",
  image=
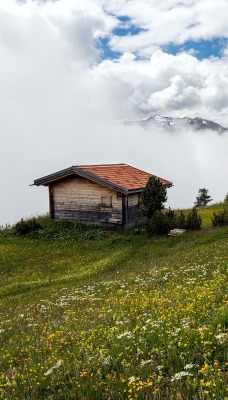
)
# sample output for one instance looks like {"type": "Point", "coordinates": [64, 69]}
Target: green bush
{"type": "Point", "coordinates": [24, 227]}
{"type": "Point", "coordinates": [171, 216]}
{"type": "Point", "coordinates": [181, 221]}
{"type": "Point", "coordinates": [220, 218]}
{"type": "Point", "coordinates": [159, 224]}
{"type": "Point", "coordinates": [193, 221]}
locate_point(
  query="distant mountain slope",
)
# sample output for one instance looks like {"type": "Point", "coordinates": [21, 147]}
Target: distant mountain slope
{"type": "Point", "coordinates": [169, 123]}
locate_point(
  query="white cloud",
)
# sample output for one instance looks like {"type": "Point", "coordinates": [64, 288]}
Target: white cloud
{"type": "Point", "coordinates": [55, 89]}
{"type": "Point", "coordinates": [191, 160]}
{"type": "Point", "coordinates": [210, 19]}
{"type": "Point", "coordinates": [49, 57]}
{"type": "Point", "coordinates": [165, 84]}
{"type": "Point", "coordinates": [79, 24]}
{"type": "Point", "coordinates": [169, 22]}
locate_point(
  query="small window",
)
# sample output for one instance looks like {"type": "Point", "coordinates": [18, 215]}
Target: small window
{"type": "Point", "coordinates": [106, 201]}
{"type": "Point", "coordinates": [140, 200]}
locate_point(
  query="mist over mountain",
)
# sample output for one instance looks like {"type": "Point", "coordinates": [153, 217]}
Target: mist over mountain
{"type": "Point", "coordinates": [174, 124]}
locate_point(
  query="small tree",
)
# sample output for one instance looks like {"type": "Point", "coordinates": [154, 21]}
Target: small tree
{"type": "Point", "coordinates": [181, 221]}
{"type": "Point", "coordinates": [159, 224]}
{"type": "Point", "coordinates": [203, 198]}
{"type": "Point", "coordinates": [226, 198]}
{"type": "Point", "coordinates": [154, 196]}
{"type": "Point", "coordinates": [220, 218]}
{"type": "Point", "coordinates": [193, 221]}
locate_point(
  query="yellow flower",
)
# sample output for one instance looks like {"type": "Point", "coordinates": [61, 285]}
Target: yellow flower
{"type": "Point", "coordinates": [51, 336]}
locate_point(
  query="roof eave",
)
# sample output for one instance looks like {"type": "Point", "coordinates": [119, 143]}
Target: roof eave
{"type": "Point", "coordinates": [138, 190]}
{"type": "Point", "coordinates": [47, 180]}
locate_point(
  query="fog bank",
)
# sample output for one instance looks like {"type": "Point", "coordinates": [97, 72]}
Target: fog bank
{"type": "Point", "coordinates": [190, 160]}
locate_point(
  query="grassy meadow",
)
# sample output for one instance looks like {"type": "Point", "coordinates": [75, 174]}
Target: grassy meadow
{"type": "Point", "coordinates": [91, 314]}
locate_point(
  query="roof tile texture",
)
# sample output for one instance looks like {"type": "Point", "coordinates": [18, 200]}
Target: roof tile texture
{"type": "Point", "coordinates": [121, 174]}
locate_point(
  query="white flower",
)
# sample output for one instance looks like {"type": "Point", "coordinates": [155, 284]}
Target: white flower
{"type": "Point", "coordinates": [127, 335]}
{"type": "Point", "coordinates": [107, 360]}
{"type": "Point", "coordinates": [144, 362]}
{"type": "Point", "coordinates": [175, 333]}
{"type": "Point", "coordinates": [180, 375]}
{"type": "Point", "coordinates": [221, 337]}
{"type": "Point", "coordinates": [57, 365]}
{"type": "Point", "coordinates": [188, 366]}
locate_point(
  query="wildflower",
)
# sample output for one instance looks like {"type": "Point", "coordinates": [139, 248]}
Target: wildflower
{"type": "Point", "coordinates": [125, 334]}
{"type": "Point", "coordinates": [144, 362]}
{"type": "Point", "coordinates": [221, 337]}
{"type": "Point", "coordinates": [180, 375]}
{"type": "Point", "coordinates": [51, 336]}
{"type": "Point", "coordinates": [131, 379]}
{"type": "Point", "coordinates": [188, 366]}
{"type": "Point", "coordinates": [57, 365]}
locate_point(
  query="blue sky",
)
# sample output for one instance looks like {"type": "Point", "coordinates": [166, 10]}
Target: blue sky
{"type": "Point", "coordinates": [201, 49]}
{"type": "Point", "coordinates": [125, 28]}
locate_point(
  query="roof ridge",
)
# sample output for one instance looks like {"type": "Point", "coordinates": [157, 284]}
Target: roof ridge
{"type": "Point", "coordinates": [100, 165]}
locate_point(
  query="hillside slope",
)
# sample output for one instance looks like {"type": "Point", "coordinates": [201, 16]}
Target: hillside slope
{"type": "Point", "coordinates": [91, 314]}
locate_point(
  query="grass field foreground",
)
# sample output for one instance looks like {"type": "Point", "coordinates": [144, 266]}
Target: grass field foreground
{"type": "Point", "coordinates": [93, 314]}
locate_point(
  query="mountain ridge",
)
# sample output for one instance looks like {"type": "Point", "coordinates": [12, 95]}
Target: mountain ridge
{"type": "Point", "coordinates": [174, 123]}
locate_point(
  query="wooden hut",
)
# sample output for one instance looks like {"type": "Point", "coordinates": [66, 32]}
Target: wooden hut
{"type": "Point", "coordinates": [108, 194]}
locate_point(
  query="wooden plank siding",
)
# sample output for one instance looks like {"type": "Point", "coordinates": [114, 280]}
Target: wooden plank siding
{"type": "Point", "coordinates": [79, 199]}
{"type": "Point", "coordinates": [135, 214]}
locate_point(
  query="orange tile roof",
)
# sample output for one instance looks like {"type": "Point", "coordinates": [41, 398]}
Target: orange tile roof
{"type": "Point", "coordinates": [122, 175]}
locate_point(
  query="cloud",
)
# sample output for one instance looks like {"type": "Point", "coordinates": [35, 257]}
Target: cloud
{"type": "Point", "coordinates": [165, 84]}
{"type": "Point", "coordinates": [169, 22]}
{"type": "Point", "coordinates": [189, 159]}
{"type": "Point", "coordinates": [58, 97]}
{"type": "Point", "coordinates": [50, 55]}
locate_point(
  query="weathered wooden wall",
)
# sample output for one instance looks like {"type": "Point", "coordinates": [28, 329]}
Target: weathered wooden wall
{"type": "Point", "coordinates": [78, 199]}
{"type": "Point", "coordinates": [135, 214]}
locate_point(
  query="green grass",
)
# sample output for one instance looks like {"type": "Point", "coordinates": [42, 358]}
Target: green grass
{"type": "Point", "coordinates": [94, 314]}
